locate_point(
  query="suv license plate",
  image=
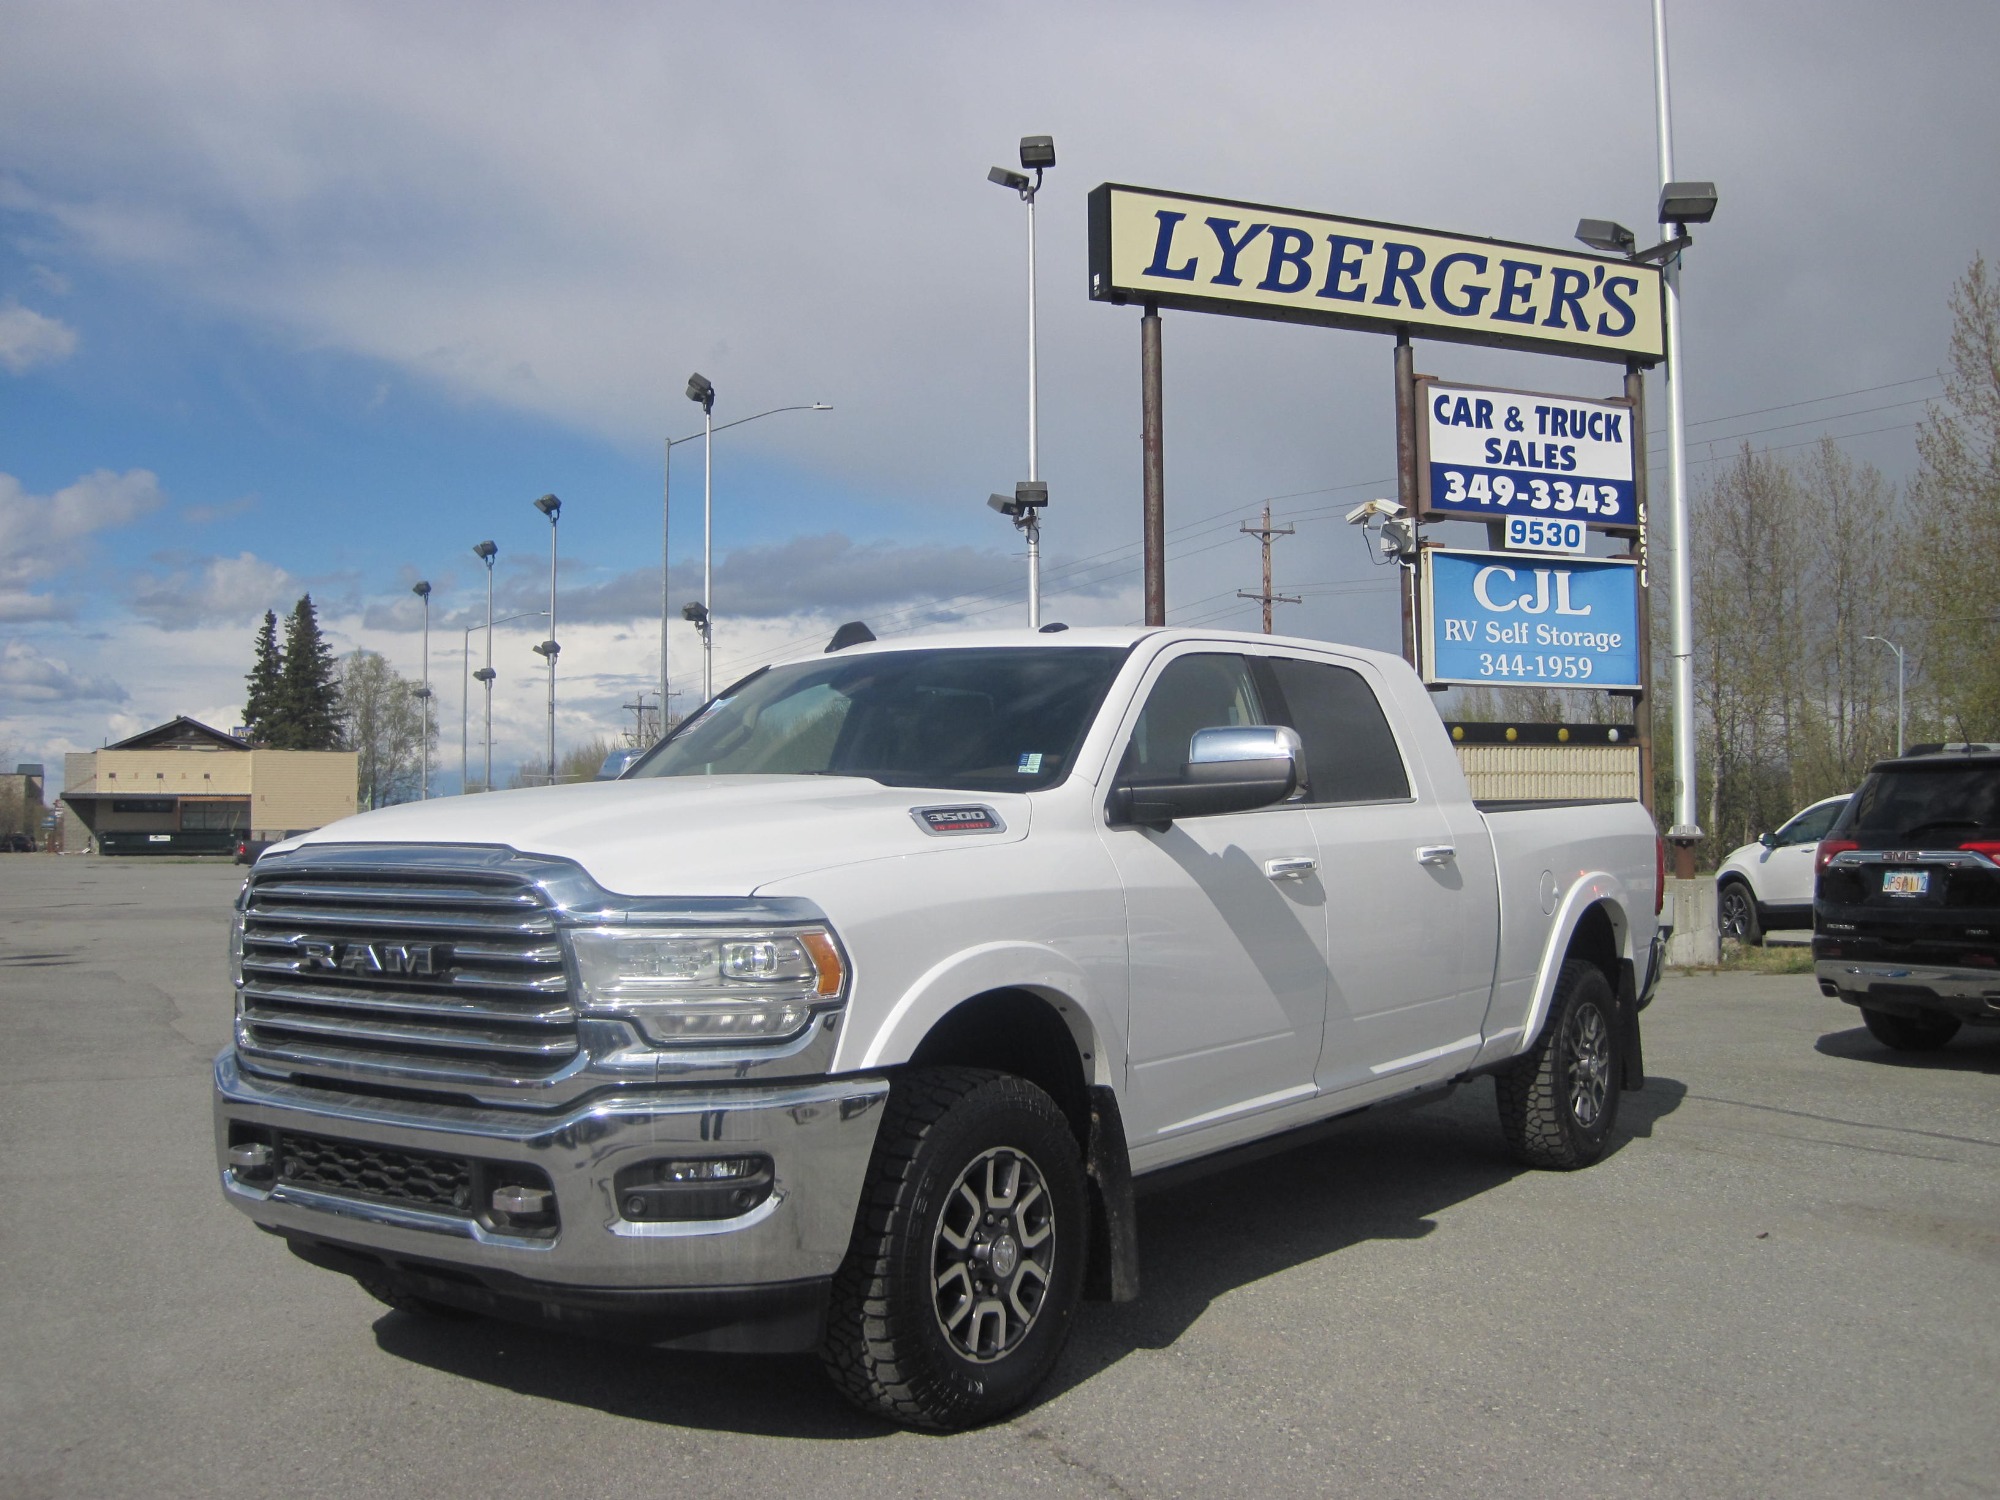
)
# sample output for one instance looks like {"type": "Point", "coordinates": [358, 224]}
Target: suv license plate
{"type": "Point", "coordinates": [1906, 882]}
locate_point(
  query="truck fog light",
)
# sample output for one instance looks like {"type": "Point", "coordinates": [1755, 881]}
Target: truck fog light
{"type": "Point", "coordinates": [250, 1161]}
{"type": "Point", "coordinates": [516, 1204]}
{"type": "Point", "coordinates": [706, 1187]}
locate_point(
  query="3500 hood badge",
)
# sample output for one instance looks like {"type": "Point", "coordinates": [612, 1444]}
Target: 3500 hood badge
{"type": "Point", "coordinates": [969, 817]}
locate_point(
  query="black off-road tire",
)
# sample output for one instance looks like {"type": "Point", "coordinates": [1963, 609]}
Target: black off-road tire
{"type": "Point", "coordinates": [1560, 1100]}
{"type": "Point", "coordinates": [1736, 914]}
{"type": "Point", "coordinates": [1909, 1033]}
{"type": "Point", "coordinates": [887, 1347]}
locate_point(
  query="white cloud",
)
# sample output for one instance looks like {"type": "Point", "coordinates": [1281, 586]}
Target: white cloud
{"type": "Point", "coordinates": [211, 591]}
{"type": "Point", "coordinates": [30, 677]}
{"type": "Point", "coordinates": [28, 338]}
{"type": "Point", "coordinates": [44, 535]}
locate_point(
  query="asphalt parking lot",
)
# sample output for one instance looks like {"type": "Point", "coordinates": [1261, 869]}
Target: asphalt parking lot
{"type": "Point", "coordinates": [1782, 1282]}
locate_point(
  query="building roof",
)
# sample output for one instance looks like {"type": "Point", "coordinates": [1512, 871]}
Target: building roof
{"type": "Point", "coordinates": [182, 733]}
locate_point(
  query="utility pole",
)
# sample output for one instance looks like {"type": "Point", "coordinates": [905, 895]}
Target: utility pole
{"type": "Point", "coordinates": [1266, 532]}
{"type": "Point", "coordinates": [643, 713]}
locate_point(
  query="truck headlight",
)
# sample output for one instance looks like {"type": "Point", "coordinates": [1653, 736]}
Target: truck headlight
{"type": "Point", "coordinates": [708, 985]}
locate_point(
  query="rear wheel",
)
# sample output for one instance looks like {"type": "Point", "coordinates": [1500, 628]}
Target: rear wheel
{"type": "Point", "coordinates": [1736, 914]}
{"type": "Point", "coordinates": [1559, 1102]}
{"type": "Point", "coordinates": [967, 1262]}
{"type": "Point", "coordinates": [1909, 1033]}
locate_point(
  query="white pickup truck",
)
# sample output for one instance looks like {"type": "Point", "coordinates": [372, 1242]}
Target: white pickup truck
{"type": "Point", "coordinates": [848, 1018]}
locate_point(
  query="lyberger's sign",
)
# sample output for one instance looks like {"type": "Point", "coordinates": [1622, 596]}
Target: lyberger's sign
{"type": "Point", "coordinates": [1249, 260]}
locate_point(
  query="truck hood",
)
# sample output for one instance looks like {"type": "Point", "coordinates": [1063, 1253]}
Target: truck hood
{"type": "Point", "coordinates": [687, 835]}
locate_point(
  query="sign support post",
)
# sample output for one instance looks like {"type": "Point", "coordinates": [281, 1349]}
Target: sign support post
{"type": "Point", "coordinates": [1642, 705]}
{"type": "Point", "coordinates": [1154, 464]}
{"type": "Point", "coordinates": [1406, 480]}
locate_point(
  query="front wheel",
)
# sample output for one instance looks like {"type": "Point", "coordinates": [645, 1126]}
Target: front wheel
{"type": "Point", "coordinates": [1909, 1033]}
{"type": "Point", "coordinates": [1559, 1101]}
{"type": "Point", "coordinates": [967, 1261]}
{"type": "Point", "coordinates": [1736, 911]}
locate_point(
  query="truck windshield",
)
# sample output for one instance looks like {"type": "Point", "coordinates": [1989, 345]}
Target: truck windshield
{"type": "Point", "coordinates": [976, 720]}
{"type": "Point", "coordinates": [1932, 806]}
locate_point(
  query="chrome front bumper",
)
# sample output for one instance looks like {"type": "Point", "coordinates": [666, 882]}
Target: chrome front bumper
{"type": "Point", "coordinates": [819, 1136]}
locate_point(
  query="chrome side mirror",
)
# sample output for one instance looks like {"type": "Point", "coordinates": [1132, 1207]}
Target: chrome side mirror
{"type": "Point", "coordinates": [1236, 768]}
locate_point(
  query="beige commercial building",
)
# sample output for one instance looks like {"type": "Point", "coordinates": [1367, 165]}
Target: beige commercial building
{"type": "Point", "coordinates": [184, 788]}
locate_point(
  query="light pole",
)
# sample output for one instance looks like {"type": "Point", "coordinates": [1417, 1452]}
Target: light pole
{"type": "Point", "coordinates": [485, 551]}
{"type": "Point", "coordinates": [702, 393]}
{"type": "Point", "coordinates": [1679, 211]}
{"type": "Point", "coordinates": [465, 689]}
{"type": "Point", "coordinates": [423, 591]}
{"type": "Point", "coordinates": [666, 491]}
{"type": "Point", "coordinates": [551, 507]}
{"type": "Point", "coordinates": [1885, 641]}
{"type": "Point", "coordinates": [1038, 152]}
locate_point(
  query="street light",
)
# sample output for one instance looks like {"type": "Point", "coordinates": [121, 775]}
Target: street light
{"type": "Point", "coordinates": [702, 393]}
{"type": "Point", "coordinates": [465, 676]}
{"type": "Point", "coordinates": [551, 507]}
{"type": "Point", "coordinates": [1885, 641]}
{"type": "Point", "coordinates": [1038, 153]}
{"type": "Point", "coordinates": [666, 605]}
{"type": "Point", "coordinates": [1681, 204]}
{"type": "Point", "coordinates": [1024, 508]}
{"type": "Point", "coordinates": [485, 551]}
{"type": "Point", "coordinates": [423, 591]}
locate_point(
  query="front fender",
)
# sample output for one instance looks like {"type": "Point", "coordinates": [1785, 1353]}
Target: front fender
{"type": "Point", "coordinates": [1033, 967]}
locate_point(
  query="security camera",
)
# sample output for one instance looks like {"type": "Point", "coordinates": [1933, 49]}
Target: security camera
{"type": "Point", "coordinates": [1362, 514]}
{"type": "Point", "coordinates": [1399, 538]}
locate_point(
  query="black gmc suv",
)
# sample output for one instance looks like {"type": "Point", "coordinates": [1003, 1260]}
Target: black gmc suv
{"type": "Point", "coordinates": [1906, 908]}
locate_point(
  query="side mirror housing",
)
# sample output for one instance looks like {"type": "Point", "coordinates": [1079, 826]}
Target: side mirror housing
{"type": "Point", "coordinates": [1768, 840]}
{"type": "Point", "coordinates": [1229, 769]}
{"type": "Point", "coordinates": [616, 764]}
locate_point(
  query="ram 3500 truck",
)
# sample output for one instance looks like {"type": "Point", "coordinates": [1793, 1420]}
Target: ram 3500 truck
{"type": "Point", "coordinates": [848, 1018]}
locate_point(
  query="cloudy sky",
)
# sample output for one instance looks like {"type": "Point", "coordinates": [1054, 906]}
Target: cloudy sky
{"type": "Point", "coordinates": [312, 298]}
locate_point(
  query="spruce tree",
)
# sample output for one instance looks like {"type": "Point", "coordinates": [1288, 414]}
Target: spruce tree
{"type": "Point", "coordinates": [260, 706]}
{"type": "Point", "coordinates": [308, 716]}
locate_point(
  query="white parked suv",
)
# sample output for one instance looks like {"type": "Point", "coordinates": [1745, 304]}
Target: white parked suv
{"type": "Point", "coordinates": [853, 1015]}
{"type": "Point", "coordinates": [1768, 885]}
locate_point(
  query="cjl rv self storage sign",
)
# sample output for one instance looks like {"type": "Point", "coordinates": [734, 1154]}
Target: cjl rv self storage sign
{"type": "Point", "coordinates": [1510, 618]}
{"type": "Point", "coordinates": [1492, 454]}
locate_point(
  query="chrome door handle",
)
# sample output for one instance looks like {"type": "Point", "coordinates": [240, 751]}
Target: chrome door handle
{"type": "Point", "coordinates": [1436, 854]}
{"type": "Point", "coordinates": [1294, 867]}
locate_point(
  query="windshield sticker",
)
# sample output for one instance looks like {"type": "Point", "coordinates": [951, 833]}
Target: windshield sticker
{"type": "Point", "coordinates": [971, 818]}
{"type": "Point", "coordinates": [1031, 763]}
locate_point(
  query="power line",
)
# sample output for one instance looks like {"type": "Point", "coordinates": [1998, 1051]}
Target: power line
{"type": "Point", "coordinates": [1866, 390]}
{"type": "Point", "coordinates": [1866, 411]}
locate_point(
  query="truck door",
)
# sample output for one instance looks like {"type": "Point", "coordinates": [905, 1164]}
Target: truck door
{"type": "Point", "coordinates": [1411, 908]}
{"type": "Point", "coordinates": [1227, 924]}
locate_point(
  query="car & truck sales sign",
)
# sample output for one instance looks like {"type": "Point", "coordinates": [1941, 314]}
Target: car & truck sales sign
{"type": "Point", "coordinates": [1488, 455]}
{"type": "Point", "coordinates": [1511, 618]}
{"type": "Point", "coordinates": [1251, 260]}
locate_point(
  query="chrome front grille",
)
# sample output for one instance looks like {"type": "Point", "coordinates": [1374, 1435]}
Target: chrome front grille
{"type": "Point", "coordinates": [433, 976]}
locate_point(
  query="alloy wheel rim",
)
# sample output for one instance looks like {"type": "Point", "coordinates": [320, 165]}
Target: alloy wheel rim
{"type": "Point", "coordinates": [1588, 1043]}
{"type": "Point", "coordinates": [1735, 908]}
{"type": "Point", "coordinates": [993, 1255]}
